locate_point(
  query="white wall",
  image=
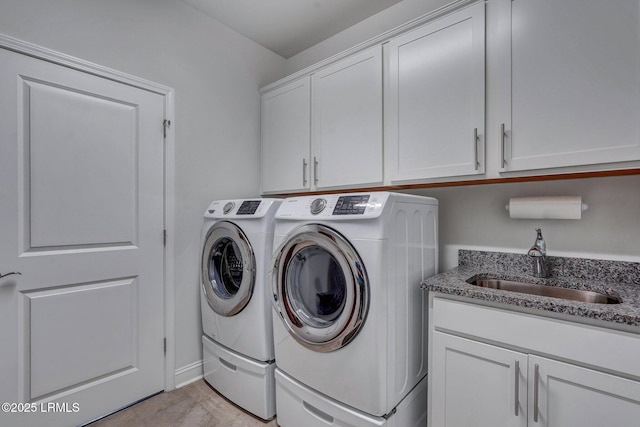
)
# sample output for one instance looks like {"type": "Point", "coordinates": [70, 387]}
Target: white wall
{"type": "Point", "coordinates": [216, 74]}
{"type": "Point", "coordinates": [474, 217]}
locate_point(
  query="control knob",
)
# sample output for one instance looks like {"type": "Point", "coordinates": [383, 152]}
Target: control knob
{"type": "Point", "coordinates": [318, 206]}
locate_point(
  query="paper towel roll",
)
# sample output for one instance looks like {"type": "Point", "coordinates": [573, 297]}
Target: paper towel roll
{"type": "Point", "coordinates": [562, 207]}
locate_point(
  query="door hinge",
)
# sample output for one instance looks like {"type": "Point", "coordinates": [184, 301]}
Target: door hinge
{"type": "Point", "coordinates": [164, 237]}
{"type": "Point", "coordinates": [166, 124]}
{"type": "Point", "coordinates": [165, 346]}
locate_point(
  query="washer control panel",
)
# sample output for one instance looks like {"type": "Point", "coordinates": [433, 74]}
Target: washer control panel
{"type": "Point", "coordinates": [248, 209]}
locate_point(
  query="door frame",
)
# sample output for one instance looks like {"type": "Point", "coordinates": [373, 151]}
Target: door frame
{"type": "Point", "coordinates": [45, 54]}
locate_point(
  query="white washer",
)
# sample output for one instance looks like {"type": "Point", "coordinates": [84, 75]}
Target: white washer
{"type": "Point", "coordinates": [237, 241]}
{"type": "Point", "coordinates": [350, 320]}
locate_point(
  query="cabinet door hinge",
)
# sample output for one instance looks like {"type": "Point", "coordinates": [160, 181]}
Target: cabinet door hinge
{"type": "Point", "coordinates": [164, 237]}
{"type": "Point", "coordinates": [165, 346]}
{"type": "Point", "coordinates": [166, 124]}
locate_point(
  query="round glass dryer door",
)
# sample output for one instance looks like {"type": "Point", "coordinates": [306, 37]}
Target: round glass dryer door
{"type": "Point", "coordinates": [320, 288]}
{"type": "Point", "coordinates": [228, 269]}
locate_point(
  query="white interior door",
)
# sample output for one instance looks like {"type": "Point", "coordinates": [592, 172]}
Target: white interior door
{"type": "Point", "coordinates": [81, 218]}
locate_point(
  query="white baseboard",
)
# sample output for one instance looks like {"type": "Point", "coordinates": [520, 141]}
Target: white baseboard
{"type": "Point", "coordinates": [189, 374]}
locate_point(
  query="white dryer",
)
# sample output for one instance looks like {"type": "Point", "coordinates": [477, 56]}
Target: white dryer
{"type": "Point", "coordinates": [350, 320]}
{"type": "Point", "coordinates": [238, 353]}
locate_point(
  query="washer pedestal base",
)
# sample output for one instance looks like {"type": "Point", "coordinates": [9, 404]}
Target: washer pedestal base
{"type": "Point", "coordinates": [246, 382]}
{"type": "Point", "coordinates": [299, 405]}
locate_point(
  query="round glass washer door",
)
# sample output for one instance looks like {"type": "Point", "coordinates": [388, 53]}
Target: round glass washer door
{"type": "Point", "coordinates": [320, 288]}
{"type": "Point", "coordinates": [228, 269]}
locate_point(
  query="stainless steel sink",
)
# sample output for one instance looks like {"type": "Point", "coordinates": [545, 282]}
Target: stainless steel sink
{"type": "Point", "coordinates": [547, 291]}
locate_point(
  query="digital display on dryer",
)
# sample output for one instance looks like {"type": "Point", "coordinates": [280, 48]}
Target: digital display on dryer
{"type": "Point", "coordinates": [351, 205]}
{"type": "Point", "coordinates": [248, 207]}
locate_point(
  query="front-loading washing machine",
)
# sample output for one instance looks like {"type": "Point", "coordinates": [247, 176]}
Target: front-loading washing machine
{"type": "Point", "coordinates": [350, 319]}
{"type": "Point", "coordinates": [238, 353]}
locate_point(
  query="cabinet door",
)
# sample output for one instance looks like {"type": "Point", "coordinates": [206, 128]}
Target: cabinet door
{"type": "Point", "coordinates": [571, 92]}
{"type": "Point", "coordinates": [286, 133]}
{"type": "Point", "coordinates": [347, 121]}
{"type": "Point", "coordinates": [564, 395]}
{"type": "Point", "coordinates": [475, 384]}
{"type": "Point", "coordinates": [436, 98]}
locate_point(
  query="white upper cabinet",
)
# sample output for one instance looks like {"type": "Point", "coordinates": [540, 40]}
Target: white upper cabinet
{"type": "Point", "coordinates": [286, 133]}
{"type": "Point", "coordinates": [563, 95]}
{"type": "Point", "coordinates": [324, 130]}
{"type": "Point", "coordinates": [347, 122]}
{"type": "Point", "coordinates": [571, 86]}
{"type": "Point", "coordinates": [435, 103]}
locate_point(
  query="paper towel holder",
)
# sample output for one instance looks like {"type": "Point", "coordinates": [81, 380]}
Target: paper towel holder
{"type": "Point", "coordinates": [546, 207]}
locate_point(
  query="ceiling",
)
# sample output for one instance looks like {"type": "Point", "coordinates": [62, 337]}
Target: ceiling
{"type": "Point", "coordinates": [288, 27]}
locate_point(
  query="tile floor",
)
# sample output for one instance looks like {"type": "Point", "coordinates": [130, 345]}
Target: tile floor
{"type": "Point", "coordinates": [195, 405]}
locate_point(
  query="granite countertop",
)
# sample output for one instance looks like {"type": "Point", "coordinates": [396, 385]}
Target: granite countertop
{"type": "Point", "coordinates": [618, 279]}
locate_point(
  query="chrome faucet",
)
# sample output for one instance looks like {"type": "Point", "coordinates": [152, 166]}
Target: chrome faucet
{"type": "Point", "coordinates": [538, 253]}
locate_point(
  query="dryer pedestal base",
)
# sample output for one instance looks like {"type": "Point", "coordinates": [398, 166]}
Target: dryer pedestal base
{"type": "Point", "coordinates": [246, 382]}
{"type": "Point", "coordinates": [299, 405]}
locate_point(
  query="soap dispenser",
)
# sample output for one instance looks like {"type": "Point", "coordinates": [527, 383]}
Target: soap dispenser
{"type": "Point", "coordinates": [538, 253]}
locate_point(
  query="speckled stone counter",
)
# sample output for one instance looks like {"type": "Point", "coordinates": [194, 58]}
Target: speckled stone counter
{"type": "Point", "coordinates": [617, 279]}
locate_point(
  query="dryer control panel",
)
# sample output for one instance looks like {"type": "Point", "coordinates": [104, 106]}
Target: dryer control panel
{"type": "Point", "coordinates": [352, 205]}
{"type": "Point", "coordinates": [334, 206]}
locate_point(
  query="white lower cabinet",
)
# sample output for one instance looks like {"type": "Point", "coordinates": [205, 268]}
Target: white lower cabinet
{"type": "Point", "coordinates": [566, 395]}
{"type": "Point", "coordinates": [474, 383]}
